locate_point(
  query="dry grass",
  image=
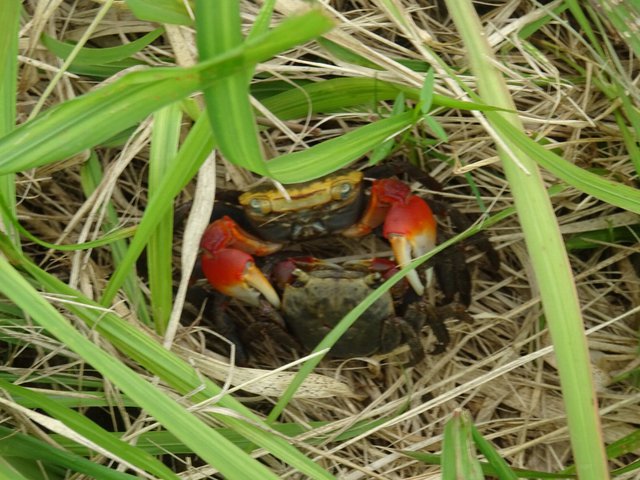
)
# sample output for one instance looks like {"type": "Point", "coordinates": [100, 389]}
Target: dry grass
{"type": "Point", "coordinates": [499, 368]}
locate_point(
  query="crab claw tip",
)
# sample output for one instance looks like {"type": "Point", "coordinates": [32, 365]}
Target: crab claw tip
{"type": "Point", "coordinates": [402, 253]}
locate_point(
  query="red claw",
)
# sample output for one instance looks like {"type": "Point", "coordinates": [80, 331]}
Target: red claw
{"type": "Point", "coordinates": [408, 223]}
{"type": "Point", "coordinates": [412, 218]}
{"type": "Point", "coordinates": [228, 265]}
{"type": "Point", "coordinates": [234, 273]}
{"type": "Point", "coordinates": [384, 193]}
{"type": "Point", "coordinates": [411, 230]}
{"type": "Point", "coordinates": [225, 233]}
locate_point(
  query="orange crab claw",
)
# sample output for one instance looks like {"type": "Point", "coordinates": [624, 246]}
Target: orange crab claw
{"type": "Point", "coordinates": [234, 273]}
{"type": "Point", "coordinates": [411, 230]}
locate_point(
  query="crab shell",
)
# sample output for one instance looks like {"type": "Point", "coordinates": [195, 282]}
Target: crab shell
{"type": "Point", "coordinates": [314, 304]}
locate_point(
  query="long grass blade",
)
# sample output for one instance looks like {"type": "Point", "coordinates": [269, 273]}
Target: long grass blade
{"type": "Point", "coordinates": [228, 106]}
{"type": "Point", "coordinates": [338, 152]}
{"type": "Point", "coordinates": [18, 445]}
{"type": "Point", "coordinates": [164, 147]}
{"type": "Point", "coordinates": [90, 178]}
{"type": "Point", "coordinates": [89, 430]}
{"type": "Point", "coordinates": [177, 373]}
{"type": "Point", "coordinates": [78, 124]}
{"type": "Point", "coordinates": [204, 441]}
{"type": "Point", "coordinates": [548, 256]}
{"type": "Point", "coordinates": [10, 13]}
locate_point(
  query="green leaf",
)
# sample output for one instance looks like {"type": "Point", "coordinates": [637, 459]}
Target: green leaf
{"type": "Point", "coordinates": [346, 55]}
{"type": "Point", "coordinates": [458, 455]}
{"type": "Point", "coordinates": [73, 126]}
{"type": "Point", "coordinates": [205, 442]}
{"type": "Point", "coordinates": [10, 15]}
{"type": "Point", "coordinates": [383, 150]}
{"type": "Point", "coordinates": [606, 190]}
{"type": "Point", "coordinates": [100, 56]}
{"type": "Point", "coordinates": [106, 69]}
{"type": "Point", "coordinates": [90, 178]}
{"type": "Point", "coordinates": [338, 152]}
{"type": "Point", "coordinates": [16, 444]}
{"type": "Point", "coordinates": [161, 11]}
{"type": "Point", "coordinates": [85, 427]}
{"type": "Point", "coordinates": [197, 145]}
{"type": "Point", "coordinates": [436, 128]}
{"type": "Point", "coordinates": [336, 94]}
{"type": "Point", "coordinates": [164, 147]}
{"type": "Point", "coordinates": [228, 102]}
{"type": "Point", "coordinates": [426, 92]}
{"type": "Point", "coordinates": [498, 464]}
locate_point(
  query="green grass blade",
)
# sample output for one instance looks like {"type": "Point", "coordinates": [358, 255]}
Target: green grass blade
{"type": "Point", "coordinates": [15, 444]}
{"type": "Point", "coordinates": [263, 19]}
{"type": "Point", "coordinates": [197, 145]}
{"type": "Point", "coordinates": [606, 190]}
{"type": "Point", "coordinates": [228, 106]}
{"type": "Point", "coordinates": [174, 371]}
{"type": "Point", "coordinates": [331, 155]}
{"type": "Point", "coordinates": [625, 17]}
{"type": "Point", "coordinates": [78, 124]}
{"type": "Point", "coordinates": [161, 11]}
{"type": "Point", "coordinates": [336, 94]}
{"type": "Point", "coordinates": [205, 442]}
{"type": "Point", "coordinates": [631, 142]}
{"type": "Point", "coordinates": [458, 453]}
{"type": "Point", "coordinates": [546, 249]}
{"type": "Point", "coordinates": [19, 469]}
{"type": "Point", "coordinates": [489, 471]}
{"type": "Point", "coordinates": [98, 56]}
{"type": "Point", "coordinates": [585, 26]}
{"type": "Point", "coordinates": [85, 427]}
{"type": "Point", "coordinates": [498, 465]}
{"type": "Point", "coordinates": [10, 14]}
{"type": "Point", "coordinates": [346, 55]}
{"type": "Point", "coordinates": [164, 147]}
{"type": "Point", "coordinates": [90, 178]}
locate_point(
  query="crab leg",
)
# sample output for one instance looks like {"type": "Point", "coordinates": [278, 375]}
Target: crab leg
{"type": "Point", "coordinates": [407, 221]}
{"type": "Point", "coordinates": [228, 265]}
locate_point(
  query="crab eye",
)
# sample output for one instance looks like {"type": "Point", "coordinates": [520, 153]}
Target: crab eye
{"type": "Point", "coordinates": [341, 190]}
{"type": "Point", "coordinates": [260, 206]}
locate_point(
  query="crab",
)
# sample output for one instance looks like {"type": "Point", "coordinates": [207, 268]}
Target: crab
{"type": "Point", "coordinates": [317, 294]}
{"type": "Point", "coordinates": [334, 205]}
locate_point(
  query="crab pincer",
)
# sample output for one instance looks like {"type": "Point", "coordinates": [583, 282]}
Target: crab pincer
{"type": "Point", "coordinates": [229, 266]}
{"type": "Point", "coordinates": [407, 222]}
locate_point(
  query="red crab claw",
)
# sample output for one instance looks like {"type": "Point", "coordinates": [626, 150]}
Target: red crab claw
{"type": "Point", "coordinates": [228, 265]}
{"type": "Point", "coordinates": [234, 273]}
{"type": "Point", "coordinates": [408, 223]}
{"type": "Point", "coordinates": [411, 229]}
{"type": "Point", "coordinates": [226, 233]}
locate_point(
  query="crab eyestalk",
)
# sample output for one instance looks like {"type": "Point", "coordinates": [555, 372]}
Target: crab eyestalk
{"type": "Point", "coordinates": [229, 267]}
